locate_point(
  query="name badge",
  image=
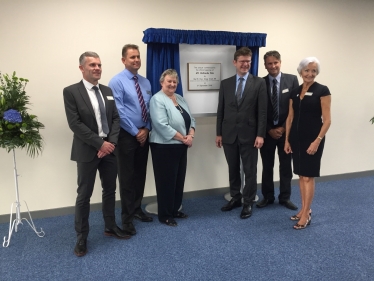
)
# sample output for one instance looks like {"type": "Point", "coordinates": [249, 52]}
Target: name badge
{"type": "Point", "coordinates": [285, 91]}
{"type": "Point", "coordinates": [110, 97]}
{"type": "Point", "coordinates": [309, 93]}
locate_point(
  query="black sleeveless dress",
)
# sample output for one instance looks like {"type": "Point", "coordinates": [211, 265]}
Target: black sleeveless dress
{"type": "Point", "coordinates": [305, 128]}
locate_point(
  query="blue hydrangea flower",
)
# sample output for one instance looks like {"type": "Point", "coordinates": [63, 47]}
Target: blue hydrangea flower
{"type": "Point", "coordinates": [12, 116]}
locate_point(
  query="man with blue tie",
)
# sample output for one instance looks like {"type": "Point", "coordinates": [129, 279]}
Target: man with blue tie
{"type": "Point", "coordinates": [241, 128]}
{"type": "Point", "coordinates": [132, 93]}
{"type": "Point", "coordinates": [279, 86]}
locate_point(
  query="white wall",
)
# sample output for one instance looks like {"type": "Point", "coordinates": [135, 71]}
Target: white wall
{"type": "Point", "coordinates": [42, 40]}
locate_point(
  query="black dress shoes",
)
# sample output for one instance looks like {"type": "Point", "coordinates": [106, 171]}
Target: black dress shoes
{"type": "Point", "coordinates": [181, 215]}
{"type": "Point", "coordinates": [170, 222]}
{"type": "Point", "coordinates": [143, 217]}
{"type": "Point", "coordinates": [264, 202]}
{"type": "Point", "coordinates": [129, 229]}
{"type": "Point", "coordinates": [80, 248]}
{"type": "Point", "coordinates": [288, 204]}
{"type": "Point", "coordinates": [231, 205]}
{"type": "Point", "coordinates": [246, 212]}
{"type": "Point", "coordinates": [117, 233]}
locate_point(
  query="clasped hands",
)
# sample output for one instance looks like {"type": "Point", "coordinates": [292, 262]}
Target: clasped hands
{"type": "Point", "coordinates": [187, 140]}
{"type": "Point", "coordinates": [105, 149]}
{"type": "Point", "coordinates": [142, 136]}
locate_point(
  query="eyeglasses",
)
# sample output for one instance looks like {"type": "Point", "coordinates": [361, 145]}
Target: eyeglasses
{"type": "Point", "coordinates": [244, 61]}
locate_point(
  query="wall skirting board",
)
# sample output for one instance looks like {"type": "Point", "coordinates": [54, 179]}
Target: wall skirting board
{"type": "Point", "coordinates": [187, 195]}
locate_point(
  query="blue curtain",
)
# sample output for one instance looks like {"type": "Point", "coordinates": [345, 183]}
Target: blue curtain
{"type": "Point", "coordinates": [163, 48]}
{"type": "Point", "coordinates": [160, 57]}
{"type": "Point", "coordinates": [203, 37]}
{"type": "Point", "coordinates": [255, 60]}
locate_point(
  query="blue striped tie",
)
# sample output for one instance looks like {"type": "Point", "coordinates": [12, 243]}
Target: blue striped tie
{"type": "Point", "coordinates": [274, 100]}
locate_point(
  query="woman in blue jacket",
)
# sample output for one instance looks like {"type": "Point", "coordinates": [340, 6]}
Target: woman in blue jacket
{"type": "Point", "coordinates": [173, 130]}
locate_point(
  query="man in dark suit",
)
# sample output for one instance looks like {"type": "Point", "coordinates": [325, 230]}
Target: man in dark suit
{"type": "Point", "coordinates": [279, 86]}
{"type": "Point", "coordinates": [94, 120]}
{"type": "Point", "coordinates": [241, 128]}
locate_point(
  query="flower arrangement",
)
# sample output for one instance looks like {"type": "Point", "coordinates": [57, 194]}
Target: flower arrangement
{"type": "Point", "coordinates": [18, 129]}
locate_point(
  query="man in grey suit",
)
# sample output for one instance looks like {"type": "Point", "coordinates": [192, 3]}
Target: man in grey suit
{"type": "Point", "coordinates": [241, 128]}
{"type": "Point", "coordinates": [279, 86]}
{"type": "Point", "coordinates": [94, 120]}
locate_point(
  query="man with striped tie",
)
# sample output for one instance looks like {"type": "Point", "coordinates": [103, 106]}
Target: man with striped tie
{"type": "Point", "coordinates": [279, 86]}
{"type": "Point", "coordinates": [132, 93]}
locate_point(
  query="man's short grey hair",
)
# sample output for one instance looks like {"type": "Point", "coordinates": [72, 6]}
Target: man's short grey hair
{"type": "Point", "coordinates": [83, 56]}
{"type": "Point", "coordinates": [304, 63]}
{"type": "Point", "coordinates": [171, 72]}
{"type": "Point", "coordinates": [273, 53]}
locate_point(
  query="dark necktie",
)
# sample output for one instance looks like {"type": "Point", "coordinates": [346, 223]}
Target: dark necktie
{"type": "Point", "coordinates": [239, 90]}
{"type": "Point", "coordinates": [104, 121]}
{"type": "Point", "coordinates": [274, 100]}
{"type": "Point", "coordinates": [141, 100]}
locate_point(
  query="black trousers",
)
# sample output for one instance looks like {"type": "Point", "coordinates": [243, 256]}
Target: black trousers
{"type": "Point", "coordinates": [132, 168]}
{"type": "Point", "coordinates": [249, 156]}
{"type": "Point", "coordinates": [285, 171]}
{"type": "Point", "coordinates": [107, 167]}
{"type": "Point", "coordinates": [169, 167]}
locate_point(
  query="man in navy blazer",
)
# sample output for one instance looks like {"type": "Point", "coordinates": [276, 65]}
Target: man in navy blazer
{"type": "Point", "coordinates": [241, 128]}
{"type": "Point", "coordinates": [94, 141]}
{"type": "Point", "coordinates": [279, 86]}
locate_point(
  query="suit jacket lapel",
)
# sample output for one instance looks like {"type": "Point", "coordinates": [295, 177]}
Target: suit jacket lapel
{"type": "Point", "coordinates": [83, 91]}
{"type": "Point", "coordinates": [281, 88]}
{"type": "Point", "coordinates": [267, 80]}
{"type": "Point", "coordinates": [231, 98]}
{"type": "Point", "coordinates": [247, 87]}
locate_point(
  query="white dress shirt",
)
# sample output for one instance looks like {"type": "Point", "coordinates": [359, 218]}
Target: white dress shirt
{"type": "Point", "coordinates": [95, 105]}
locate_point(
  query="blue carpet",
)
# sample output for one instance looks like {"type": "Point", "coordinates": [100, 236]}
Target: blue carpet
{"type": "Point", "coordinates": [210, 244]}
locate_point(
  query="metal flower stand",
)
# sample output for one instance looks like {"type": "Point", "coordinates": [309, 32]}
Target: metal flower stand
{"type": "Point", "coordinates": [13, 225]}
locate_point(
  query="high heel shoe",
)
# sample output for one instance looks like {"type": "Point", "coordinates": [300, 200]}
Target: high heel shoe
{"type": "Point", "coordinates": [302, 226]}
{"type": "Point", "coordinates": [296, 218]}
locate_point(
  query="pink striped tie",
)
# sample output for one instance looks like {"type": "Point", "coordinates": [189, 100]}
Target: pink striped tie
{"type": "Point", "coordinates": [141, 100]}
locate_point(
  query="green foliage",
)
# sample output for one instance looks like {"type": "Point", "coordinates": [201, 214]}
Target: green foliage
{"type": "Point", "coordinates": [18, 135]}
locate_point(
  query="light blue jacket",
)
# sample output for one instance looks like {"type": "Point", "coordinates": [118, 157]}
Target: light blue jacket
{"type": "Point", "coordinates": [166, 120]}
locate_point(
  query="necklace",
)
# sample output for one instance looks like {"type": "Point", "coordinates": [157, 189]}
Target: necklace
{"type": "Point", "coordinates": [179, 108]}
{"type": "Point", "coordinates": [174, 99]}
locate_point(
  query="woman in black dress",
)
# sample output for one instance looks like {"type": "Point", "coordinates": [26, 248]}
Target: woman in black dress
{"type": "Point", "coordinates": [308, 120]}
